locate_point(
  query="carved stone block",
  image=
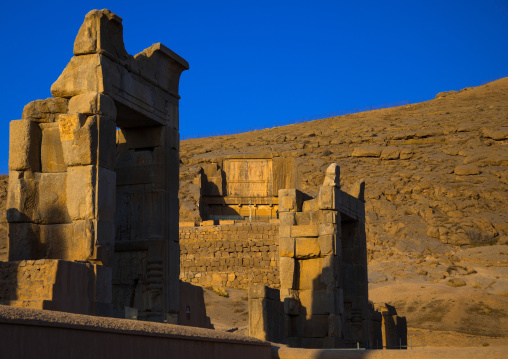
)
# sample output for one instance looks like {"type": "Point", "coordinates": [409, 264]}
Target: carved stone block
{"type": "Point", "coordinates": [24, 146]}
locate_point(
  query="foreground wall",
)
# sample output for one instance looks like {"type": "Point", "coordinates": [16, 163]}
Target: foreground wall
{"type": "Point", "coordinates": [233, 255]}
{"type": "Point", "coordinates": [30, 333]}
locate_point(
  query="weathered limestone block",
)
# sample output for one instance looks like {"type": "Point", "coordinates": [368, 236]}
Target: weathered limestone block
{"type": "Point", "coordinates": [52, 206]}
{"type": "Point", "coordinates": [327, 197]}
{"type": "Point", "coordinates": [72, 241]}
{"type": "Point", "coordinates": [97, 73]}
{"type": "Point", "coordinates": [329, 216]}
{"type": "Point", "coordinates": [45, 110]}
{"type": "Point", "coordinates": [88, 142]}
{"type": "Point", "coordinates": [290, 200]}
{"type": "Point", "coordinates": [327, 243]}
{"type": "Point", "coordinates": [309, 274]}
{"type": "Point", "coordinates": [287, 219]}
{"type": "Point", "coordinates": [80, 192]}
{"type": "Point", "coordinates": [22, 197]}
{"type": "Point", "coordinates": [307, 248]}
{"type": "Point", "coordinates": [93, 103]}
{"type": "Point", "coordinates": [101, 31]}
{"type": "Point", "coordinates": [52, 159]}
{"type": "Point", "coordinates": [153, 63]}
{"type": "Point", "coordinates": [82, 74]}
{"type": "Point", "coordinates": [328, 228]}
{"type": "Point", "coordinates": [314, 301]}
{"type": "Point", "coordinates": [264, 312]}
{"type": "Point", "coordinates": [310, 230]}
{"type": "Point", "coordinates": [23, 241]}
{"type": "Point", "coordinates": [307, 218]}
{"type": "Point", "coordinates": [332, 175]}
{"type": "Point", "coordinates": [287, 247]}
{"type": "Point", "coordinates": [284, 231]}
{"type": "Point", "coordinates": [310, 205]}
{"type": "Point", "coordinates": [24, 146]}
{"type": "Point", "coordinates": [287, 274]}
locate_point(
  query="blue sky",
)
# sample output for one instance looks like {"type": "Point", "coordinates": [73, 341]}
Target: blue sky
{"type": "Point", "coordinates": [256, 63]}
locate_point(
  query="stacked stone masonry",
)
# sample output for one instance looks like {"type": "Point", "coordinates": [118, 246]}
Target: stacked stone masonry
{"type": "Point", "coordinates": [55, 285]}
{"type": "Point", "coordinates": [231, 255]}
{"type": "Point", "coordinates": [94, 170]}
{"type": "Point", "coordinates": [323, 297]}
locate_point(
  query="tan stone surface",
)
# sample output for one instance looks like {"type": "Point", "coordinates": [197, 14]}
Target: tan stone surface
{"type": "Point", "coordinates": [45, 110]}
{"type": "Point", "coordinates": [93, 103]}
{"type": "Point", "coordinates": [80, 189]}
{"type": "Point", "coordinates": [287, 273]}
{"type": "Point", "coordinates": [52, 159]}
{"type": "Point", "coordinates": [310, 274]}
{"type": "Point", "coordinates": [52, 199]}
{"type": "Point", "coordinates": [24, 146]}
{"type": "Point", "coordinates": [307, 248]}
{"type": "Point", "coordinates": [287, 247]}
{"type": "Point", "coordinates": [101, 31]}
{"type": "Point", "coordinates": [310, 230]}
{"type": "Point", "coordinates": [82, 75]}
{"type": "Point", "coordinates": [22, 197]}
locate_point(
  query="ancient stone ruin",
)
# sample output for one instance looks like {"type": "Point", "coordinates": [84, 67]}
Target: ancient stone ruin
{"type": "Point", "coordinates": [323, 298]}
{"type": "Point", "coordinates": [93, 183]}
{"type": "Point", "coordinates": [245, 186]}
{"type": "Point", "coordinates": [93, 212]}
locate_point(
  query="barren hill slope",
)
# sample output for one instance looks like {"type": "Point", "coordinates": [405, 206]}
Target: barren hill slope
{"type": "Point", "coordinates": [436, 197]}
{"type": "Point", "coordinates": [434, 170]}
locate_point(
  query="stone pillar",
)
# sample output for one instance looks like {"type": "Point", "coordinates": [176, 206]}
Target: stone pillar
{"type": "Point", "coordinates": [68, 163]}
{"type": "Point", "coordinates": [310, 259]}
{"type": "Point", "coordinates": [264, 313]}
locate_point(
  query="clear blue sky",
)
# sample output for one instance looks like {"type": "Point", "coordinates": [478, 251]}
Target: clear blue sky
{"type": "Point", "coordinates": [255, 63]}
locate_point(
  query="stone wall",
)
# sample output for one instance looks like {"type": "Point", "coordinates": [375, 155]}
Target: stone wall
{"type": "Point", "coordinates": [232, 255]}
{"type": "Point", "coordinates": [31, 333]}
{"type": "Point", "coordinates": [44, 284]}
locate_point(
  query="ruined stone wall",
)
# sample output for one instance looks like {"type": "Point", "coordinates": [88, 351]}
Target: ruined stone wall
{"type": "Point", "coordinates": [235, 255]}
{"type": "Point", "coordinates": [52, 284]}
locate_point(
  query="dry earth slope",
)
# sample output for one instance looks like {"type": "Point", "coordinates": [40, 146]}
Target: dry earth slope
{"type": "Point", "coordinates": [437, 200]}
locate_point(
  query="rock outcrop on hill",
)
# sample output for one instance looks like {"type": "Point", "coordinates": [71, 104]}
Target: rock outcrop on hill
{"type": "Point", "coordinates": [435, 171]}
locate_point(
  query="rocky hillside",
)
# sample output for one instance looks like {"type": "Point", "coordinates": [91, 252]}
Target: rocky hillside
{"type": "Point", "coordinates": [436, 172]}
{"type": "Point", "coordinates": [436, 196]}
